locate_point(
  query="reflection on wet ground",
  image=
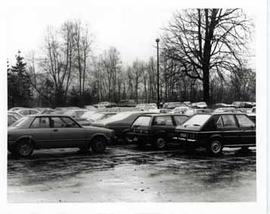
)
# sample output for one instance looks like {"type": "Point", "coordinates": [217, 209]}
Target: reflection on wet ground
{"type": "Point", "coordinates": [126, 173]}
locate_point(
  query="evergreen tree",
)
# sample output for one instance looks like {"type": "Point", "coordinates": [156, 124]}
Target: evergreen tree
{"type": "Point", "coordinates": [19, 86]}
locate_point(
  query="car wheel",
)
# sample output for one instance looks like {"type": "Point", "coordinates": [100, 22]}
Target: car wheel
{"type": "Point", "coordinates": [24, 148]}
{"type": "Point", "coordinates": [160, 143]}
{"type": "Point", "coordinates": [215, 147]}
{"type": "Point", "coordinates": [99, 144]}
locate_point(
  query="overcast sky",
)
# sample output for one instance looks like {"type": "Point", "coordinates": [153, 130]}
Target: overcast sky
{"type": "Point", "coordinates": [130, 26]}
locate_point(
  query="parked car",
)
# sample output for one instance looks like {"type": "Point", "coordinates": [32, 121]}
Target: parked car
{"type": "Point", "coordinates": [218, 130]}
{"type": "Point", "coordinates": [75, 113]}
{"type": "Point", "coordinates": [27, 111]}
{"type": "Point", "coordinates": [127, 103]}
{"type": "Point", "coordinates": [120, 123]}
{"type": "Point", "coordinates": [15, 108]}
{"type": "Point", "coordinates": [155, 129]}
{"type": "Point", "coordinates": [11, 119]}
{"type": "Point", "coordinates": [91, 108]}
{"type": "Point", "coordinates": [172, 105]}
{"type": "Point", "coordinates": [252, 114]}
{"type": "Point", "coordinates": [97, 116]}
{"type": "Point", "coordinates": [243, 104]}
{"type": "Point", "coordinates": [146, 106]}
{"type": "Point", "coordinates": [16, 114]}
{"type": "Point", "coordinates": [199, 105]}
{"type": "Point", "coordinates": [225, 109]}
{"type": "Point", "coordinates": [105, 105]}
{"type": "Point", "coordinates": [192, 111]}
{"type": "Point", "coordinates": [223, 105]}
{"type": "Point", "coordinates": [54, 131]}
{"type": "Point", "coordinates": [180, 110]}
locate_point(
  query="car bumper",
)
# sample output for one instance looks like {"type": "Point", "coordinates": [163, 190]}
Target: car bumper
{"type": "Point", "coordinates": [185, 140]}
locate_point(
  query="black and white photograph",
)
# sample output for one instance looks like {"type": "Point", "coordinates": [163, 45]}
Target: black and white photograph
{"type": "Point", "coordinates": [142, 102]}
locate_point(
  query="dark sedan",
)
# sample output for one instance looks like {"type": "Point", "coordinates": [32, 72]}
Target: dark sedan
{"type": "Point", "coordinates": [120, 123]}
{"type": "Point", "coordinates": [218, 130]}
{"type": "Point", "coordinates": [54, 131]}
{"type": "Point", "coordinates": [156, 129]}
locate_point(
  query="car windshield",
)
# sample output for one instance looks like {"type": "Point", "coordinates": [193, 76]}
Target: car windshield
{"type": "Point", "coordinates": [117, 117]}
{"type": "Point", "coordinates": [20, 122]}
{"type": "Point", "coordinates": [197, 120]}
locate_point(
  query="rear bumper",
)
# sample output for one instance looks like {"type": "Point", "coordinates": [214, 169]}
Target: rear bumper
{"type": "Point", "coordinates": [186, 140]}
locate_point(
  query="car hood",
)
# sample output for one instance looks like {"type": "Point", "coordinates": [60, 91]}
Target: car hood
{"type": "Point", "coordinates": [97, 129]}
{"type": "Point", "coordinates": [12, 128]}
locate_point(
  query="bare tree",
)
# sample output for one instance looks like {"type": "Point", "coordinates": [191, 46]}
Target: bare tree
{"type": "Point", "coordinates": [205, 41]}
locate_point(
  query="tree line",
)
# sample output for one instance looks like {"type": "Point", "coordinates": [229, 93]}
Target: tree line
{"type": "Point", "coordinates": [203, 57]}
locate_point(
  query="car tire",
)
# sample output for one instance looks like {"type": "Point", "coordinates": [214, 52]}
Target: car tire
{"type": "Point", "coordinates": [98, 144]}
{"type": "Point", "coordinates": [24, 148]}
{"type": "Point", "coordinates": [159, 143]}
{"type": "Point", "coordinates": [215, 147]}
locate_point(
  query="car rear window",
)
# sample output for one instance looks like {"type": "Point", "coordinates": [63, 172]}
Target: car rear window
{"type": "Point", "coordinates": [179, 119]}
{"type": "Point", "coordinates": [163, 121]}
{"type": "Point", "coordinates": [244, 121]}
{"type": "Point", "coordinates": [142, 121]}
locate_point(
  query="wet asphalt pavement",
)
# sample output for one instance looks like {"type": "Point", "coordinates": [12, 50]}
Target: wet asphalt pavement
{"type": "Point", "coordinates": [128, 174]}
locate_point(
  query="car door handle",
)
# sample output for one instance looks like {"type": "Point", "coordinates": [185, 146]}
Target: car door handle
{"type": "Point", "coordinates": [55, 130]}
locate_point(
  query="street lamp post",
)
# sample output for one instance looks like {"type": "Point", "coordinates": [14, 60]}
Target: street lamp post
{"type": "Point", "coordinates": [157, 41]}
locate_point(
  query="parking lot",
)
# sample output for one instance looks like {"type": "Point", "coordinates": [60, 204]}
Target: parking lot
{"type": "Point", "coordinates": [127, 174]}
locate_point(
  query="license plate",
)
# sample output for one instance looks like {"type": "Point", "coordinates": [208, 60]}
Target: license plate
{"type": "Point", "coordinates": [183, 135]}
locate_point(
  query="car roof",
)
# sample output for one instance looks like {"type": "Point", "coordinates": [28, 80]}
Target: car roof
{"type": "Point", "coordinates": [48, 115]}
{"type": "Point", "coordinates": [218, 113]}
{"type": "Point", "coordinates": [163, 114]}
{"type": "Point", "coordinates": [221, 113]}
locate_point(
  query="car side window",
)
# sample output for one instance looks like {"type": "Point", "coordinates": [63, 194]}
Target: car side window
{"type": "Point", "coordinates": [219, 123]}
{"type": "Point", "coordinates": [70, 123]}
{"type": "Point", "coordinates": [24, 112]}
{"type": "Point", "coordinates": [40, 122]}
{"type": "Point", "coordinates": [179, 119]}
{"type": "Point", "coordinates": [58, 123]}
{"type": "Point", "coordinates": [163, 121]}
{"type": "Point", "coordinates": [244, 121]}
{"type": "Point", "coordinates": [228, 121]}
{"type": "Point", "coordinates": [33, 111]}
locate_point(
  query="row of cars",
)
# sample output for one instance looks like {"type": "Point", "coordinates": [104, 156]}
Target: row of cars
{"type": "Point", "coordinates": [212, 131]}
{"type": "Point", "coordinates": [66, 127]}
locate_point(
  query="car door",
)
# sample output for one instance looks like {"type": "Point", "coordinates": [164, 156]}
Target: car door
{"type": "Point", "coordinates": [248, 129]}
{"type": "Point", "coordinates": [66, 132]}
{"type": "Point", "coordinates": [227, 126]}
{"type": "Point", "coordinates": [163, 125]}
{"type": "Point", "coordinates": [41, 132]}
